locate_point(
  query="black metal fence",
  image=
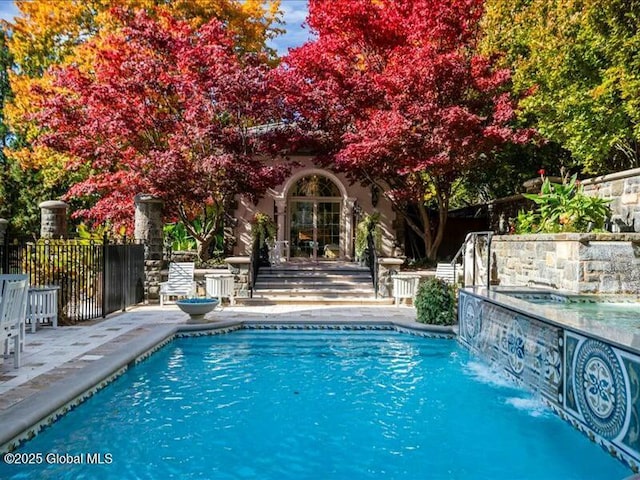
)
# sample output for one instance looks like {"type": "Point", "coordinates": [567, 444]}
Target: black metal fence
{"type": "Point", "coordinates": [95, 278]}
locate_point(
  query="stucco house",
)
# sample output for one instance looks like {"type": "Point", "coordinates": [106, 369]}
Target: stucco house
{"type": "Point", "coordinates": [316, 211]}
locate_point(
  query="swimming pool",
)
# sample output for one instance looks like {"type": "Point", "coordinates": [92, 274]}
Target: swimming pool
{"type": "Point", "coordinates": [315, 404]}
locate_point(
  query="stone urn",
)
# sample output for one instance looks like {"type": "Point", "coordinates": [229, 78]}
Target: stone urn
{"type": "Point", "coordinates": [197, 308]}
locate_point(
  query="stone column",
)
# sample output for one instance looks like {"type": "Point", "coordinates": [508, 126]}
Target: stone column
{"type": "Point", "coordinates": [387, 268]}
{"type": "Point", "coordinates": [281, 219]}
{"type": "Point", "coordinates": [148, 230]}
{"type": "Point", "coordinates": [4, 264]}
{"type": "Point", "coordinates": [346, 251]}
{"type": "Point", "coordinates": [3, 229]}
{"type": "Point", "coordinates": [53, 219]}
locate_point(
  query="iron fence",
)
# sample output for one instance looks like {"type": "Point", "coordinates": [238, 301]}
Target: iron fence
{"type": "Point", "coordinates": [95, 278]}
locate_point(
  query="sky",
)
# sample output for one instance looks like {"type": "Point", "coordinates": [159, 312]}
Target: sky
{"type": "Point", "coordinates": [294, 14]}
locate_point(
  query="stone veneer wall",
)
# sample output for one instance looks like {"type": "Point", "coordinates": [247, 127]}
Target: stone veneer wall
{"type": "Point", "coordinates": [579, 263]}
{"type": "Point", "coordinates": [593, 385]}
{"type": "Point", "coordinates": [623, 189]}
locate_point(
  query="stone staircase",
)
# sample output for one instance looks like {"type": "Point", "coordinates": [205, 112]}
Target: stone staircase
{"type": "Point", "coordinates": [315, 283]}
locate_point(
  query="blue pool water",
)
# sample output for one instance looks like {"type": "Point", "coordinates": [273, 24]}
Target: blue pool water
{"type": "Point", "coordinates": [316, 405]}
{"type": "Point", "coordinates": [623, 313]}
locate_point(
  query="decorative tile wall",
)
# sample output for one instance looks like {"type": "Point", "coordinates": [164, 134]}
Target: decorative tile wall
{"type": "Point", "coordinates": [593, 385]}
{"type": "Point", "coordinates": [528, 350]}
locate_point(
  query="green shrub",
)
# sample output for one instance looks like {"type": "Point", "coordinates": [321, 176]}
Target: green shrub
{"type": "Point", "coordinates": [563, 207]}
{"type": "Point", "coordinates": [436, 302]}
{"type": "Point", "coordinates": [370, 224]}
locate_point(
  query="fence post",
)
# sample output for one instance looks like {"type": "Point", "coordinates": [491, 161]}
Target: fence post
{"type": "Point", "coordinates": [53, 219]}
{"type": "Point", "coordinates": [105, 279]}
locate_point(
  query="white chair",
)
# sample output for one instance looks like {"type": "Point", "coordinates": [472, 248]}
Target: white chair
{"type": "Point", "coordinates": [445, 271]}
{"type": "Point", "coordinates": [404, 286]}
{"type": "Point", "coordinates": [180, 282]}
{"type": "Point", "coordinates": [12, 314]}
{"type": "Point", "coordinates": [4, 280]}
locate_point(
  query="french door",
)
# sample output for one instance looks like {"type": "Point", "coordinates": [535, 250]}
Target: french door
{"type": "Point", "coordinates": [314, 228]}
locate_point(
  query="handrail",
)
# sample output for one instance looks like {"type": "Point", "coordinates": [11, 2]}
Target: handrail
{"type": "Point", "coordinates": [372, 260]}
{"type": "Point", "coordinates": [473, 236]}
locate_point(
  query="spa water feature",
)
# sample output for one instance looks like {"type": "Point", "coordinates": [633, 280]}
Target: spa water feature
{"type": "Point", "coordinates": [589, 373]}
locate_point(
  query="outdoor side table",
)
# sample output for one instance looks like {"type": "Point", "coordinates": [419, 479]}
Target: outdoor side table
{"type": "Point", "coordinates": [404, 286]}
{"type": "Point", "coordinates": [42, 306]}
{"type": "Point", "coordinates": [219, 285]}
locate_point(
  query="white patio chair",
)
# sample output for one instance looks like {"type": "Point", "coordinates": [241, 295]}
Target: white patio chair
{"type": "Point", "coordinates": [12, 314]}
{"type": "Point", "coordinates": [180, 282]}
{"type": "Point", "coordinates": [4, 279]}
{"type": "Point", "coordinates": [445, 271]}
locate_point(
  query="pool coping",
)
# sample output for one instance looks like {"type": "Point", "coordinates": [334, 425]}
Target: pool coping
{"type": "Point", "coordinates": [24, 420]}
{"type": "Point", "coordinates": [617, 337]}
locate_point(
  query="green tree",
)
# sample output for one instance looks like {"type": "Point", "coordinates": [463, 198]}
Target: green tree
{"type": "Point", "coordinates": [578, 59]}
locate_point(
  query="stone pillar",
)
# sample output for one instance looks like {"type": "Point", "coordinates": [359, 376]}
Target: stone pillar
{"type": "Point", "coordinates": [53, 219]}
{"type": "Point", "coordinates": [388, 267]}
{"type": "Point", "coordinates": [3, 229]}
{"type": "Point", "coordinates": [239, 267]}
{"type": "Point", "coordinates": [148, 230]}
{"type": "Point", "coordinates": [280, 215]}
{"type": "Point", "coordinates": [346, 250]}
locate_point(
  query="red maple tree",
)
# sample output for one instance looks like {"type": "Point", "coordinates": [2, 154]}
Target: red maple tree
{"type": "Point", "coordinates": [394, 93]}
{"type": "Point", "coordinates": [168, 110]}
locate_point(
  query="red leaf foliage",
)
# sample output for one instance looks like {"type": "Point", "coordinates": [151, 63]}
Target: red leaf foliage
{"type": "Point", "coordinates": [166, 110]}
{"type": "Point", "coordinates": [390, 90]}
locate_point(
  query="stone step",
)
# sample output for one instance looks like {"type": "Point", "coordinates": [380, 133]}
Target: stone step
{"type": "Point", "coordinates": [312, 274]}
{"type": "Point", "coordinates": [301, 289]}
{"type": "Point", "coordinates": [315, 300]}
{"type": "Point", "coordinates": [314, 283]}
{"type": "Point", "coordinates": [317, 281]}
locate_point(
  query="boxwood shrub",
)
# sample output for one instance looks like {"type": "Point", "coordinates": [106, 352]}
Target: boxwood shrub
{"type": "Point", "coordinates": [436, 302]}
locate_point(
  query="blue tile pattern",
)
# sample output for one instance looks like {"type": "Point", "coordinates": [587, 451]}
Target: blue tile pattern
{"type": "Point", "coordinates": [593, 385]}
{"type": "Point", "coordinates": [601, 394]}
{"type": "Point", "coordinates": [528, 350]}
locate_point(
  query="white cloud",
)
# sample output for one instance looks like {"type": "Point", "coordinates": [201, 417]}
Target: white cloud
{"type": "Point", "coordinates": [8, 10]}
{"type": "Point", "coordinates": [294, 13]}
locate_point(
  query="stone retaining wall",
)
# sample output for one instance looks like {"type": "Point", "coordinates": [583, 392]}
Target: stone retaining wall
{"type": "Point", "coordinates": [579, 263]}
{"type": "Point", "coordinates": [623, 188]}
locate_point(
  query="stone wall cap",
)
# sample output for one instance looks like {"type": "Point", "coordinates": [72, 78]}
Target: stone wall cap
{"type": "Point", "coordinates": [52, 204]}
{"type": "Point", "coordinates": [390, 261]}
{"type": "Point", "coordinates": [563, 237]}
{"type": "Point", "coordinates": [243, 259]}
{"type": "Point", "coordinates": [146, 198]}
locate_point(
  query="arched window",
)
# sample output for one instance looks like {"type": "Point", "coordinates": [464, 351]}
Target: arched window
{"type": "Point", "coordinates": [314, 186]}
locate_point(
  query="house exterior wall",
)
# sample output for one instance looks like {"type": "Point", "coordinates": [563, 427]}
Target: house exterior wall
{"type": "Point", "coordinates": [354, 198]}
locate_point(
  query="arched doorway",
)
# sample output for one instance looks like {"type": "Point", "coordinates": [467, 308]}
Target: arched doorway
{"type": "Point", "coordinates": [315, 220]}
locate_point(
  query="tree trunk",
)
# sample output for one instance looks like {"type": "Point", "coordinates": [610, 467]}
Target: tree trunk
{"type": "Point", "coordinates": [202, 247]}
